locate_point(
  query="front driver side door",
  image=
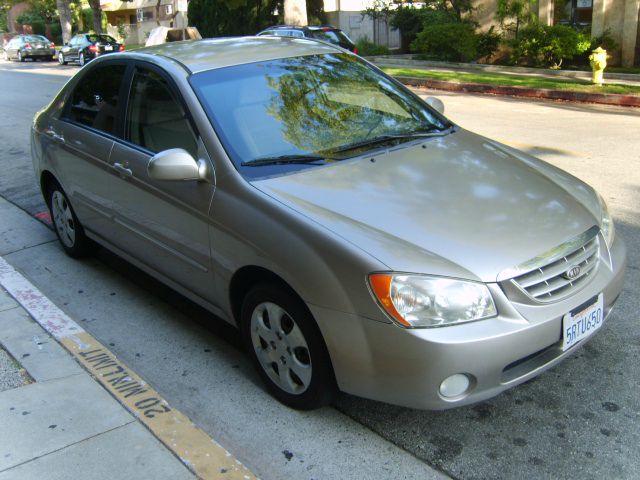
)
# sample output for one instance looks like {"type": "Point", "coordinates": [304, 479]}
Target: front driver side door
{"type": "Point", "coordinates": [163, 224]}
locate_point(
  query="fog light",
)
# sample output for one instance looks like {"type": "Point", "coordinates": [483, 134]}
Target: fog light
{"type": "Point", "coordinates": [454, 385]}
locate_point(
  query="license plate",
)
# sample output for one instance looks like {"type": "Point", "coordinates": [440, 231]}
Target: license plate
{"type": "Point", "coordinates": [579, 325]}
{"type": "Point", "coordinates": [108, 47]}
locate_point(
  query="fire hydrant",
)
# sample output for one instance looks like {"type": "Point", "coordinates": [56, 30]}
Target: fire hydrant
{"type": "Point", "coordinates": [598, 61]}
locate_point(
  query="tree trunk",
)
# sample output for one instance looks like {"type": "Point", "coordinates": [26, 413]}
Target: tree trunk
{"type": "Point", "coordinates": [295, 12]}
{"type": "Point", "coordinates": [64, 10]}
{"type": "Point", "coordinates": [97, 15]}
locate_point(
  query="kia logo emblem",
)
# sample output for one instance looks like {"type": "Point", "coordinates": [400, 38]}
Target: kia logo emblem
{"type": "Point", "coordinates": [572, 273]}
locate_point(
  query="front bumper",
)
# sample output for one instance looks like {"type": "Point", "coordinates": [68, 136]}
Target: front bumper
{"type": "Point", "coordinates": [384, 362]}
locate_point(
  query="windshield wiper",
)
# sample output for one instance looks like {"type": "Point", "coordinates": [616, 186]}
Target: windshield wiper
{"type": "Point", "coordinates": [285, 159]}
{"type": "Point", "coordinates": [392, 136]}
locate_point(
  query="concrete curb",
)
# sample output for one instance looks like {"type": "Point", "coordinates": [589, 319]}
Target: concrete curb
{"type": "Point", "coordinates": [582, 97]}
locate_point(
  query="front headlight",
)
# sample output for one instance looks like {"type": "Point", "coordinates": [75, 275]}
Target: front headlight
{"type": "Point", "coordinates": [429, 301]}
{"type": "Point", "coordinates": [606, 222]}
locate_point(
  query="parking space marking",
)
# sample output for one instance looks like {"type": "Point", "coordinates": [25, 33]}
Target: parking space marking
{"type": "Point", "coordinates": [197, 450]}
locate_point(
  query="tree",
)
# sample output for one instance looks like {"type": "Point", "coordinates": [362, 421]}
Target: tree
{"type": "Point", "coordinates": [96, 13]}
{"type": "Point", "coordinates": [295, 12]}
{"type": "Point", "coordinates": [233, 17]}
{"type": "Point", "coordinates": [64, 11]}
{"type": "Point", "coordinates": [514, 14]}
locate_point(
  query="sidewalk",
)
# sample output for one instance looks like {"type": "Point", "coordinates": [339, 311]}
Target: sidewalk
{"type": "Point", "coordinates": [85, 411]}
{"type": "Point", "coordinates": [65, 424]}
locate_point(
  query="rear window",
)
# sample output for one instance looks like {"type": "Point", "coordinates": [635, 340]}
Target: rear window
{"type": "Point", "coordinates": [35, 38]}
{"type": "Point", "coordinates": [101, 38]}
{"type": "Point", "coordinates": [94, 102]}
{"type": "Point", "coordinates": [334, 36]}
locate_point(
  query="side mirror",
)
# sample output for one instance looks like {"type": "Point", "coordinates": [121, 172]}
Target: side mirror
{"type": "Point", "coordinates": [176, 164]}
{"type": "Point", "coordinates": [436, 104]}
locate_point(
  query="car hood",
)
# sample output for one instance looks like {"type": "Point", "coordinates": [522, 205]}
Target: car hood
{"type": "Point", "coordinates": [459, 205]}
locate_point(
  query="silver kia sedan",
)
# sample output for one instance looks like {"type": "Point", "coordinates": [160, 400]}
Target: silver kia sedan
{"type": "Point", "coordinates": [359, 239]}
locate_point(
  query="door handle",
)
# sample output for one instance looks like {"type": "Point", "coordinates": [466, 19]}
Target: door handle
{"type": "Point", "coordinates": [123, 170]}
{"type": "Point", "coordinates": [53, 134]}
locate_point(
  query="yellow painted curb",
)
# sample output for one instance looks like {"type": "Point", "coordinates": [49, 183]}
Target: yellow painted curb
{"type": "Point", "coordinates": [199, 452]}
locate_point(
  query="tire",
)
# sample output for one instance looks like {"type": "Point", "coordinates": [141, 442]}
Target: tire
{"type": "Point", "coordinates": [81, 59]}
{"type": "Point", "coordinates": [287, 348]}
{"type": "Point", "coordinates": [61, 59]}
{"type": "Point", "coordinates": [68, 229]}
{"type": "Point", "coordinates": [20, 58]}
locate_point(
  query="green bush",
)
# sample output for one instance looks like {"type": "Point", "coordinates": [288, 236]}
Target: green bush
{"type": "Point", "coordinates": [455, 42]}
{"type": "Point", "coordinates": [488, 43]}
{"type": "Point", "coordinates": [367, 48]}
{"type": "Point", "coordinates": [545, 46]}
{"type": "Point", "coordinates": [605, 41]}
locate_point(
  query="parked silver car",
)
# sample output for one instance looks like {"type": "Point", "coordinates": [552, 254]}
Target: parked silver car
{"type": "Point", "coordinates": [359, 239]}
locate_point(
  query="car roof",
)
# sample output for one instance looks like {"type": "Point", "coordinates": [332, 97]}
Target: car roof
{"type": "Point", "coordinates": [200, 55]}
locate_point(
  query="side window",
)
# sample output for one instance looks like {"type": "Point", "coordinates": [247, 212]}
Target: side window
{"type": "Point", "coordinates": [94, 102]}
{"type": "Point", "coordinates": [156, 119]}
{"type": "Point", "coordinates": [297, 33]}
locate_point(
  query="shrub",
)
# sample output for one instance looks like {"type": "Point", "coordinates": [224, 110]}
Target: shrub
{"type": "Point", "coordinates": [455, 42]}
{"type": "Point", "coordinates": [545, 46]}
{"type": "Point", "coordinates": [488, 43]}
{"type": "Point", "coordinates": [605, 41]}
{"type": "Point", "coordinates": [368, 48]}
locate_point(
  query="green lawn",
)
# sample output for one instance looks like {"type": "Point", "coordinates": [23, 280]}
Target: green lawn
{"type": "Point", "coordinates": [133, 46]}
{"type": "Point", "coordinates": [514, 81]}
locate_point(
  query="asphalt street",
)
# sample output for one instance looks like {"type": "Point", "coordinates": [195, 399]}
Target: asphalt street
{"type": "Point", "coordinates": [578, 420]}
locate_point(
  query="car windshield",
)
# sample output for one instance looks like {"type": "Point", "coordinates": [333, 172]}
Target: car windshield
{"type": "Point", "coordinates": [307, 111]}
{"type": "Point", "coordinates": [101, 38]}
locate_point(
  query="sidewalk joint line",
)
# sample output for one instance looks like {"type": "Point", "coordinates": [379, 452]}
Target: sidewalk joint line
{"type": "Point", "coordinates": [67, 446]}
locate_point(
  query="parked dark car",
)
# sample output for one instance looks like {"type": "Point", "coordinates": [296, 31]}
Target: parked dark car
{"type": "Point", "coordinates": [35, 47]}
{"type": "Point", "coordinates": [325, 33]}
{"type": "Point", "coordinates": [87, 46]}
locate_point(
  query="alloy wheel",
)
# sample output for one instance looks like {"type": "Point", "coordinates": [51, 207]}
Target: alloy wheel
{"type": "Point", "coordinates": [63, 219]}
{"type": "Point", "coordinates": [281, 349]}
{"type": "Point", "coordinates": [81, 60]}
{"type": "Point", "coordinates": [60, 58]}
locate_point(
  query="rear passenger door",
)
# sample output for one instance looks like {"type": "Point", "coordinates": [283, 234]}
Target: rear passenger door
{"type": "Point", "coordinates": [81, 141]}
{"type": "Point", "coordinates": [163, 224]}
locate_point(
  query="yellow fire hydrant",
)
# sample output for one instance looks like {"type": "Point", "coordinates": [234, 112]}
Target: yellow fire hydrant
{"type": "Point", "coordinates": [598, 61]}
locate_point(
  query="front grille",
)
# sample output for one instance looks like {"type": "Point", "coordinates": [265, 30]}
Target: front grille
{"type": "Point", "coordinates": [550, 282]}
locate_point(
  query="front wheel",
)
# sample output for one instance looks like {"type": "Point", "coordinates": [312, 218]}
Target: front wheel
{"type": "Point", "coordinates": [61, 59]}
{"type": "Point", "coordinates": [287, 348]}
{"type": "Point", "coordinates": [68, 229]}
{"type": "Point", "coordinates": [20, 57]}
{"type": "Point", "coordinates": [81, 59]}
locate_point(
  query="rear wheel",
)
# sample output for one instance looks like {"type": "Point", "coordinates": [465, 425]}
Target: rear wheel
{"type": "Point", "coordinates": [66, 224]}
{"type": "Point", "coordinates": [287, 348]}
